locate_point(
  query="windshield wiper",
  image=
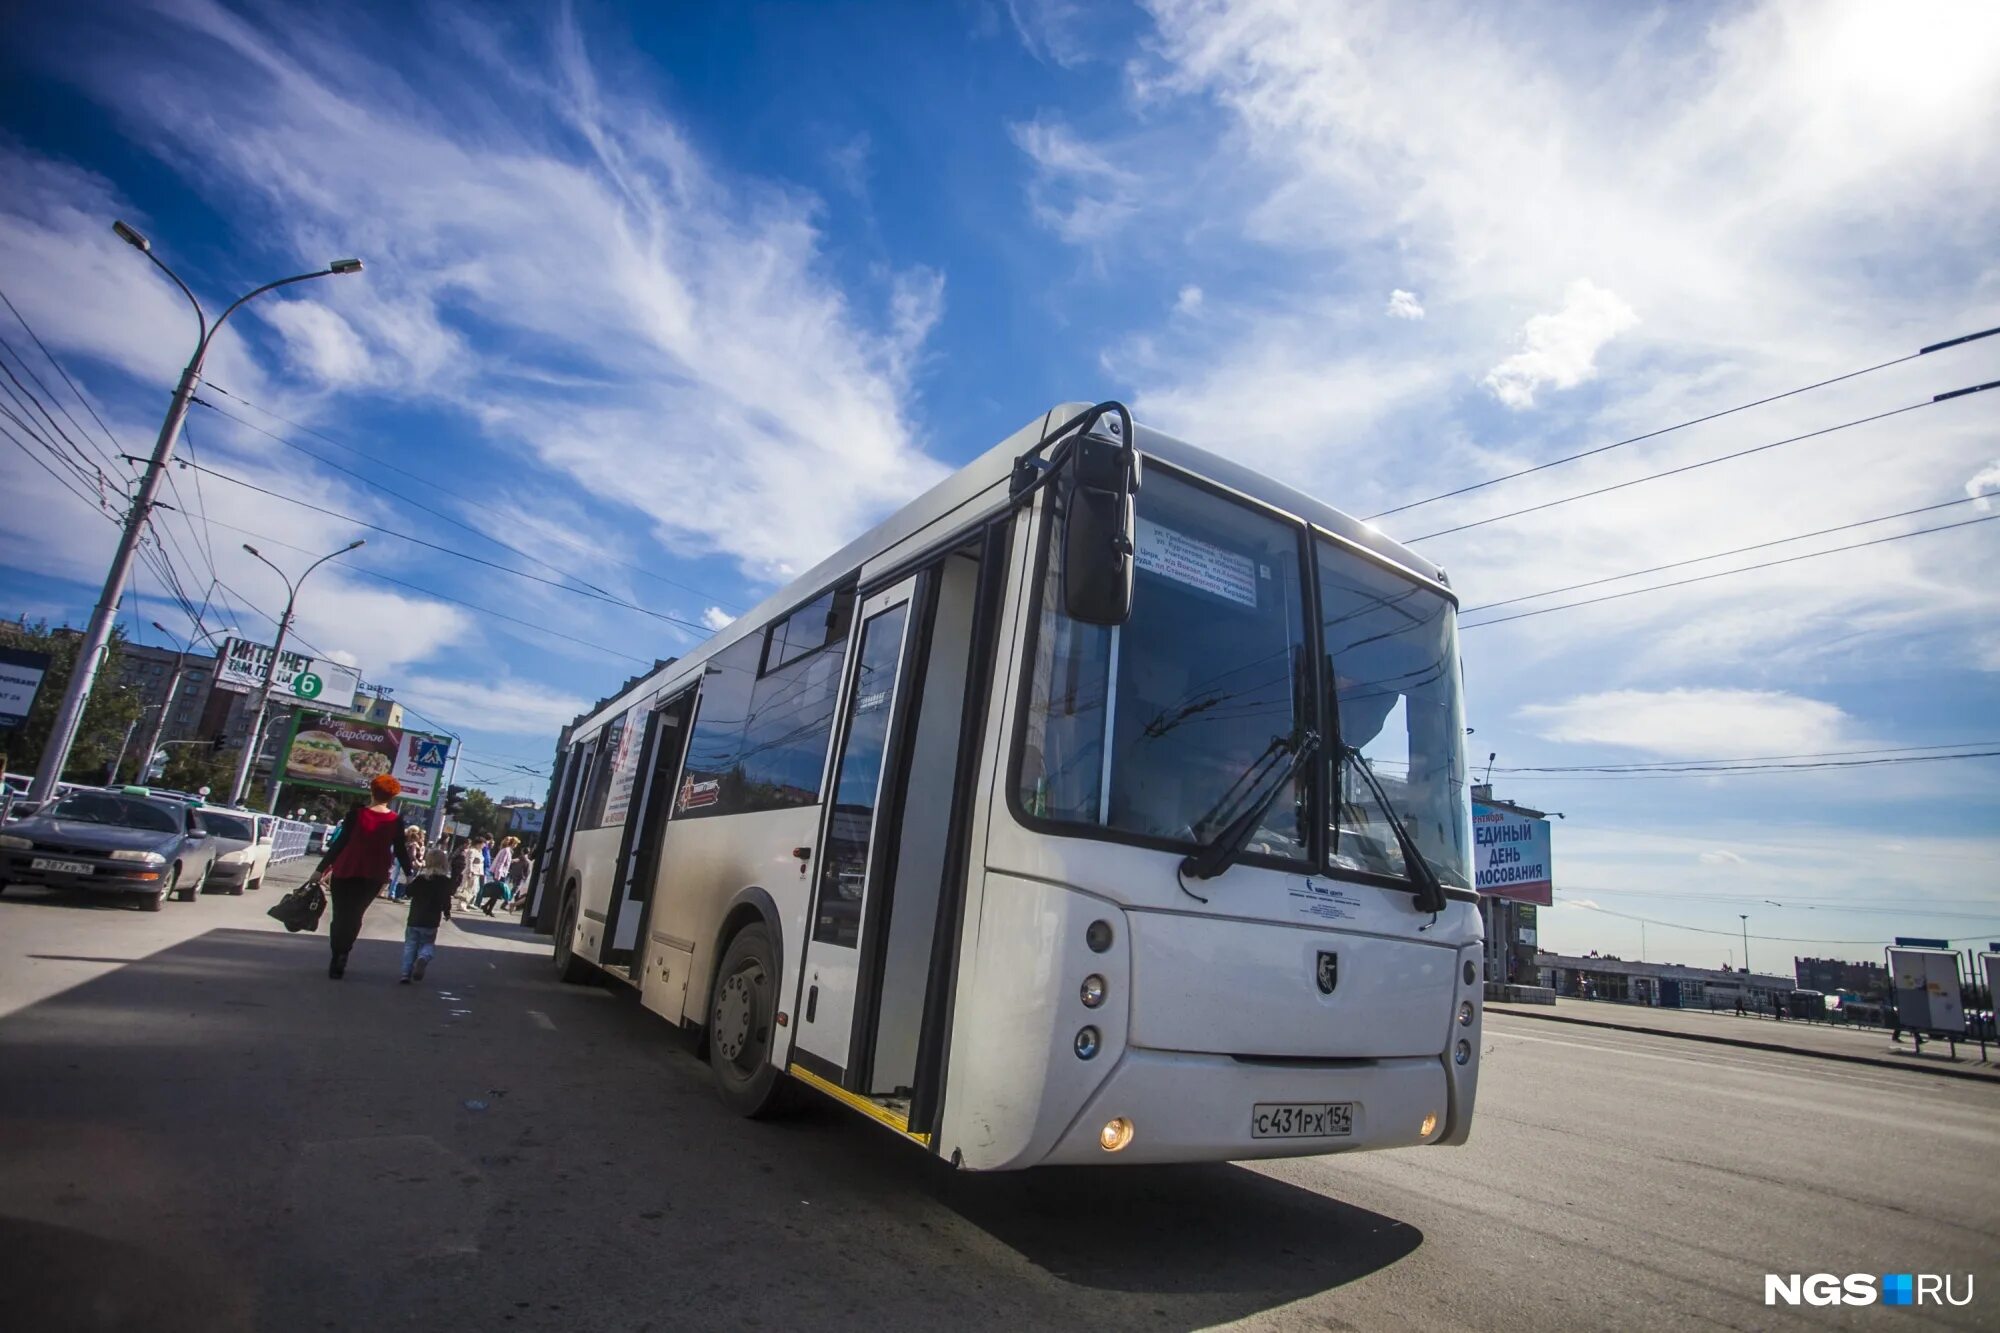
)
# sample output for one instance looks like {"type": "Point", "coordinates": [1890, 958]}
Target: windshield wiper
{"type": "Point", "coordinates": [1220, 852]}
{"type": "Point", "coordinates": [1430, 889]}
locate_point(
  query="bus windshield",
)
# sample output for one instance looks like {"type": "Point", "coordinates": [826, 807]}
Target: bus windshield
{"type": "Point", "coordinates": [1211, 673]}
{"type": "Point", "coordinates": [1213, 677]}
{"type": "Point", "coordinates": [1391, 648]}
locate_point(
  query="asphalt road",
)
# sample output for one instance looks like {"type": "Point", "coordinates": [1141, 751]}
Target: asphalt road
{"type": "Point", "coordinates": [198, 1130]}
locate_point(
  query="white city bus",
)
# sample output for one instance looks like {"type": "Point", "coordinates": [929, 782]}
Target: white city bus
{"type": "Point", "coordinates": [1105, 804]}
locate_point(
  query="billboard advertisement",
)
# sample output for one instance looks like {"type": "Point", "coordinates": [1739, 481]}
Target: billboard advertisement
{"type": "Point", "coordinates": [240, 666]}
{"type": "Point", "coordinates": [1925, 983]}
{"type": "Point", "coordinates": [1510, 855]}
{"type": "Point", "coordinates": [21, 675]}
{"type": "Point", "coordinates": [343, 754]}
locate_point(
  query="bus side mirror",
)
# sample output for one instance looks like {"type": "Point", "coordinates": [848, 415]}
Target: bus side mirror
{"type": "Point", "coordinates": [1099, 531]}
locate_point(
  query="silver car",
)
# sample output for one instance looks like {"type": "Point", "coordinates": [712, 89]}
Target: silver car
{"type": "Point", "coordinates": [130, 842]}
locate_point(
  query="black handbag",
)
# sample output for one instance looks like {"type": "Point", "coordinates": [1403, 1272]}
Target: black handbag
{"type": "Point", "coordinates": [301, 908]}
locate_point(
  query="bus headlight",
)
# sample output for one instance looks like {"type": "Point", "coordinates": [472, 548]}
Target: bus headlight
{"type": "Point", "coordinates": [1116, 1133]}
{"type": "Point", "coordinates": [1471, 972]}
{"type": "Point", "coordinates": [1098, 936]}
{"type": "Point", "coordinates": [1465, 1014]}
{"type": "Point", "coordinates": [1093, 991]}
{"type": "Point", "coordinates": [1463, 1053]}
{"type": "Point", "coordinates": [1087, 1044]}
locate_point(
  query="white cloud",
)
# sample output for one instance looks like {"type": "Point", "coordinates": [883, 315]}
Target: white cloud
{"type": "Point", "coordinates": [1404, 305]}
{"type": "Point", "coordinates": [1721, 856]}
{"type": "Point", "coordinates": [1188, 300]}
{"type": "Point", "coordinates": [1754, 187]}
{"type": "Point", "coordinates": [1049, 30]}
{"type": "Point", "coordinates": [716, 618]}
{"type": "Point", "coordinates": [1983, 483]}
{"type": "Point", "coordinates": [1560, 350]}
{"type": "Point", "coordinates": [505, 705]}
{"type": "Point", "coordinates": [320, 341]}
{"type": "Point", "coordinates": [1693, 723]}
{"type": "Point", "coordinates": [1076, 191]}
{"type": "Point", "coordinates": [705, 321]}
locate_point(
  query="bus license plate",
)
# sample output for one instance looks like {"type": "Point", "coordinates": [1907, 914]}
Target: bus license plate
{"type": "Point", "coordinates": [64, 867]}
{"type": "Point", "coordinates": [1301, 1120]}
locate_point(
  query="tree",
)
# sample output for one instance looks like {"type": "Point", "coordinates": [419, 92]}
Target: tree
{"type": "Point", "coordinates": [110, 710]}
{"type": "Point", "coordinates": [485, 816]}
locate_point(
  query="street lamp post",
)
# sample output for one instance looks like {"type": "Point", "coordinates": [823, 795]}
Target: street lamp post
{"type": "Point", "coordinates": [90, 652]}
{"type": "Point", "coordinates": [250, 742]}
{"type": "Point", "coordinates": [173, 687]}
{"type": "Point", "coordinates": [1744, 917]}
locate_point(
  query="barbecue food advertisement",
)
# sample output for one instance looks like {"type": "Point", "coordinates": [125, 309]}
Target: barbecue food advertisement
{"type": "Point", "coordinates": [344, 754]}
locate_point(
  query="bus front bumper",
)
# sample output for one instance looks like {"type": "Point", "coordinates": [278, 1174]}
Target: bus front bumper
{"type": "Point", "coordinates": [1204, 1108]}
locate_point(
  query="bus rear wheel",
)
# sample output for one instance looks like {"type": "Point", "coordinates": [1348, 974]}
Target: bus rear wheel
{"type": "Point", "coordinates": [740, 1021]}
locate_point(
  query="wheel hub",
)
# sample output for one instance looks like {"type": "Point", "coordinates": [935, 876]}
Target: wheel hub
{"type": "Point", "coordinates": [735, 1015]}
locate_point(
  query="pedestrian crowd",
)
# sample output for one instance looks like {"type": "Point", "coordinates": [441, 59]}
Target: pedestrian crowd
{"type": "Point", "coordinates": [376, 852]}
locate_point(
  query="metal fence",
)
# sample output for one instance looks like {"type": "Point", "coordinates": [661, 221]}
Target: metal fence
{"type": "Point", "coordinates": [289, 839]}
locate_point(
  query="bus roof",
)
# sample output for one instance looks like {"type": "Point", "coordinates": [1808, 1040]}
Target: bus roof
{"type": "Point", "coordinates": [973, 493]}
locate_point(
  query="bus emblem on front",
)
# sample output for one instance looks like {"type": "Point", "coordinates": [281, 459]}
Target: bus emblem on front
{"type": "Point", "coordinates": [1329, 972]}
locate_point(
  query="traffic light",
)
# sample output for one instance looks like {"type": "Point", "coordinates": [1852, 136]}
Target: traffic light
{"type": "Point", "coordinates": [453, 798]}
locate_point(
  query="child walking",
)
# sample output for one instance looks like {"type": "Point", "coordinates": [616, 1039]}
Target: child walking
{"type": "Point", "coordinates": [430, 902]}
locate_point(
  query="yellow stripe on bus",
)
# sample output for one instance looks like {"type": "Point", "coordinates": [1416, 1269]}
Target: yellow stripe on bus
{"type": "Point", "coordinates": [901, 1124]}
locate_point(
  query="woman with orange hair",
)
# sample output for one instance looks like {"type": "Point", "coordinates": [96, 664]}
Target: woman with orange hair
{"type": "Point", "coordinates": [356, 864]}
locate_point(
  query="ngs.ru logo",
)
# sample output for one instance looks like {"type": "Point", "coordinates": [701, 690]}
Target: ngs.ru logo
{"type": "Point", "coordinates": [1861, 1289]}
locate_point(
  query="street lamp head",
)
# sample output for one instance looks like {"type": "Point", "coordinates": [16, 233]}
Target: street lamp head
{"type": "Point", "coordinates": [253, 550]}
{"type": "Point", "coordinates": [161, 628]}
{"type": "Point", "coordinates": [357, 544]}
{"type": "Point", "coordinates": [132, 238]}
{"type": "Point", "coordinates": [344, 266]}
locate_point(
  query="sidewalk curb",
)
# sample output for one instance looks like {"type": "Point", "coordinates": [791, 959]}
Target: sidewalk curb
{"type": "Point", "coordinates": [1941, 1071]}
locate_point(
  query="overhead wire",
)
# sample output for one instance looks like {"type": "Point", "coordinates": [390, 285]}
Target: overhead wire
{"type": "Point", "coordinates": [1683, 425]}
{"type": "Point", "coordinates": [401, 471]}
{"type": "Point", "coordinates": [1733, 934]}
{"type": "Point", "coordinates": [1932, 401]}
{"type": "Point", "coordinates": [354, 568]}
{"type": "Point", "coordinates": [1738, 550]}
{"type": "Point", "coordinates": [1751, 758]}
{"type": "Point", "coordinates": [1725, 573]}
{"type": "Point", "coordinates": [402, 496]}
{"type": "Point", "coordinates": [446, 550]}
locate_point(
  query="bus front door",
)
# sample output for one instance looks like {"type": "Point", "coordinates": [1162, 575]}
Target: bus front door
{"type": "Point", "coordinates": [852, 869]}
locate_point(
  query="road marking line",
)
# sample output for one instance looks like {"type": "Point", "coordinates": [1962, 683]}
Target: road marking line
{"type": "Point", "coordinates": [542, 1020]}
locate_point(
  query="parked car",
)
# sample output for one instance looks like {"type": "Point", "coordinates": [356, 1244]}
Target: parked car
{"type": "Point", "coordinates": [242, 844]}
{"type": "Point", "coordinates": [316, 841]}
{"type": "Point", "coordinates": [129, 841]}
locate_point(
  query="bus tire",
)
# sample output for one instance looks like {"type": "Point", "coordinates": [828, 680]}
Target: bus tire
{"type": "Point", "coordinates": [741, 1018]}
{"type": "Point", "coordinates": [570, 969]}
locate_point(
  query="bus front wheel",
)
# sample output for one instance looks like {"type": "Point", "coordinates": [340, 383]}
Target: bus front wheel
{"type": "Point", "coordinates": [570, 969]}
{"type": "Point", "coordinates": [740, 1021]}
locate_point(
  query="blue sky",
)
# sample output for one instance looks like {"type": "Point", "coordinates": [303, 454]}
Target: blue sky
{"type": "Point", "coordinates": [677, 299]}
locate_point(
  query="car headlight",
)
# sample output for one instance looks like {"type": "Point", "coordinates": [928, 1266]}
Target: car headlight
{"type": "Point", "coordinates": [144, 858]}
{"type": "Point", "coordinates": [9, 840]}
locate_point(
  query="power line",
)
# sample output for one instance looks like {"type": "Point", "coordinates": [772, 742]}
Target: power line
{"type": "Point", "coordinates": [1683, 425]}
{"type": "Point", "coordinates": [22, 320]}
{"type": "Point", "coordinates": [1725, 573]}
{"type": "Point", "coordinates": [443, 597]}
{"type": "Point", "coordinates": [367, 480]}
{"type": "Point", "coordinates": [1708, 462]}
{"type": "Point", "coordinates": [1674, 764]}
{"type": "Point", "coordinates": [383, 463]}
{"type": "Point", "coordinates": [60, 480]}
{"type": "Point", "coordinates": [1735, 934]}
{"type": "Point", "coordinates": [1766, 769]}
{"type": "Point", "coordinates": [1717, 555]}
{"type": "Point", "coordinates": [446, 550]}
